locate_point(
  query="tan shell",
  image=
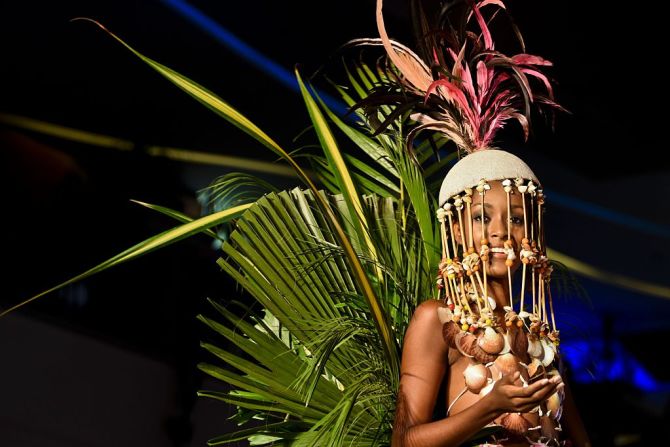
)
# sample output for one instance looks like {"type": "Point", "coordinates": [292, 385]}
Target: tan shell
{"type": "Point", "coordinates": [534, 367]}
{"type": "Point", "coordinates": [555, 404]}
{"type": "Point", "coordinates": [519, 343]}
{"type": "Point", "coordinates": [535, 349]}
{"type": "Point", "coordinates": [516, 423]}
{"type": "Point", "coordinates": [507, 364]}
{"type": "Point", "coordinates": [449, 331]}
{"type": "Point", "coordinates": [491, 341]}
{"type": "Point", "coordinates": [464, 343]}
{"type": "Point", "coordinates": [481, 355]}
{"type": "Point", "coordinates": [476, 377]}
{"type": "Point", "coordinates": [549, 352]}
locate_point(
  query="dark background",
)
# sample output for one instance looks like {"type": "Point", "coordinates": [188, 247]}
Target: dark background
{"type": "Point", "coordinates": [112, 360]}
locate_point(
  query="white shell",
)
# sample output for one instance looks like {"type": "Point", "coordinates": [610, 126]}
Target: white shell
{"type": "Point", "coordinates": [549, 352]}
{"type": "Point", "coordinates": [476, 377]}
{"type": "Point", "coordinates": [487, 389]}
{"type": "Point", "coordinates": [508, 346]}
{"type": "Point", "coordinates": [535, 349]}
{"type": "Point", "coordinates": [444, 314]}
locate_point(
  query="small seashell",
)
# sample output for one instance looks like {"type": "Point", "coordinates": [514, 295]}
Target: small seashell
{"type": "Point", "coordinates": [447, 206]}
{"type": "Point", "coordinates": [444, 314]}
{"type": "Point", "coordinates": [534, 367]}
{"type": "Point", "coordinates": [535, 349]}
{"type": "Point", "coordinates": [507, 347]}
{"type": "Point", "coordinates": [555, 404]}
{"type": "Point", "coordinates": [492, 342]}
{"type": "Point", "coordinates": [518, 343]}
{"type": "Point", "coordinates": [482, 356]}
{"type": "Point", "coordinates": [487, 389]}
{"type": "Point", "coordinates": [522, 188]}
{"type": "Point", "coordinates": [449, 332]}
{"type": "Point", "coordinates": [516, 423]}
{"type": "Point", "coordinates": [462, 342]}
{"type": "Point", "coordinates": [476, 377]}
{"type": "Point", "coordinates": [492, 303]}
{"type": "Point", "coordinates": [507, 182]}
{"type": "Point", "coordinates": [507, 363]}
{"type": "Point", "coordinates": [549, 352]}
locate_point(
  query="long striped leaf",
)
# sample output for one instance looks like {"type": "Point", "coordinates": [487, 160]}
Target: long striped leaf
{"type": "Point", "coordinates": [353, 201]}
{"type": "Point", "coordinates": [153, 243]}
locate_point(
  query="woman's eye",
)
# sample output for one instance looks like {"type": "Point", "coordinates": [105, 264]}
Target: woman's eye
{"type": "Point", "coordinates": [515, 220]}
{"type": "Point", "coordinates": [478, 218]}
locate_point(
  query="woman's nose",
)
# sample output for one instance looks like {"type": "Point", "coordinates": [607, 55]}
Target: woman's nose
{"type": "Point", "coordinates": [497, 228]}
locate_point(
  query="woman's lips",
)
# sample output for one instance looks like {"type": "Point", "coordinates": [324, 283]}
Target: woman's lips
{"type": "Point", "coordinates": [498, 252]}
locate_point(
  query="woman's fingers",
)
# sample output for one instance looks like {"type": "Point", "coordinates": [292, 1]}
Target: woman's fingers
{"type": "Point", "coordinates": [539, 386]}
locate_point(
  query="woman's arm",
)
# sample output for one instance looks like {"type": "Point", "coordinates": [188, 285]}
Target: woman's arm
{"type": "Point", "coordinates": [424, 364]}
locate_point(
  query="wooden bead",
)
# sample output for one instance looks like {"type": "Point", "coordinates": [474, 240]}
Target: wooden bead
{"type": "Point", "coordinates": [471, 250]}
{"type": "Point", "coordinates": [485, 241]}
{"type": "Point", "coordinates": [465, 326]}
{"type": "Point", "coordinates": [508, 323]}
{"type": "Point", "coordinates": [509, 262]}
{"type": "Point", "coordinates": [485, 258]}
{"type": "Point", "coordinates": [525, 240]}
{"type": "Point", "coordinates": [519, 322]}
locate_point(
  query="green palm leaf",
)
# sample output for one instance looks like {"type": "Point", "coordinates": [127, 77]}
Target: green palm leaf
{"type": "Point", "coordinates": [320, 358]}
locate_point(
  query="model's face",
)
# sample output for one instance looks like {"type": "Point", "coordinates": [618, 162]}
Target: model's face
{"type": "Point", "coordinates": [494, 214]}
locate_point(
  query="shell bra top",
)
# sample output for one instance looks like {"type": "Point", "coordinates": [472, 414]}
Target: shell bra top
{"type": "Point", "coordinates": [526, 346]}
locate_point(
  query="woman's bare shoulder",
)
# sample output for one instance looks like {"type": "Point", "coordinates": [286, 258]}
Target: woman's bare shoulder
{"type": "Point", "coordinates": [423, 340]}
{"type": "Point", "coordinates": [426, 319]}
{"type": "Point", "coordinates": [426, 312]}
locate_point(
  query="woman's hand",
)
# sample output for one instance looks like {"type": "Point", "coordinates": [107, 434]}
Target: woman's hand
{"type": "Point", "coordinates": [506, 396]}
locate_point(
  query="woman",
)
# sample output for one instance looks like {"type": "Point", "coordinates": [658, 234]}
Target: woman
{"type": "Point", "coordinates": [483, 386]}
{"type": "Point", "coordinates": [496, 355]}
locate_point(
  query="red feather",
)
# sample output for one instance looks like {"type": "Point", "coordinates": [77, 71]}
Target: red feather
{"type": "Point", "coordinates": [483, 90]}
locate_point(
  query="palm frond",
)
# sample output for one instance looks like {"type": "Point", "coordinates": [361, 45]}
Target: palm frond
{"type": "Point", "coordinates": [319, 348]}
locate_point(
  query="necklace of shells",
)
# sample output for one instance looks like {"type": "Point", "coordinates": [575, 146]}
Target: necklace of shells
{"type": "Point", "coordinates": [527, 339]}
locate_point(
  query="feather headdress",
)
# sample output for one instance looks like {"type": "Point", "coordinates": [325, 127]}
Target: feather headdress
{"type": "Point", "coordinates": [464, 87]}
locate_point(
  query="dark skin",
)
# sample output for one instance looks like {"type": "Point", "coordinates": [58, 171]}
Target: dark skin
{"type": "Point", "coordinates": [427, 359]}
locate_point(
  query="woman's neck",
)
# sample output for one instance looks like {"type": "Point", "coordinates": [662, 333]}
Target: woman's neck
{"type": "Point", "coordinates": [499, 291]}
